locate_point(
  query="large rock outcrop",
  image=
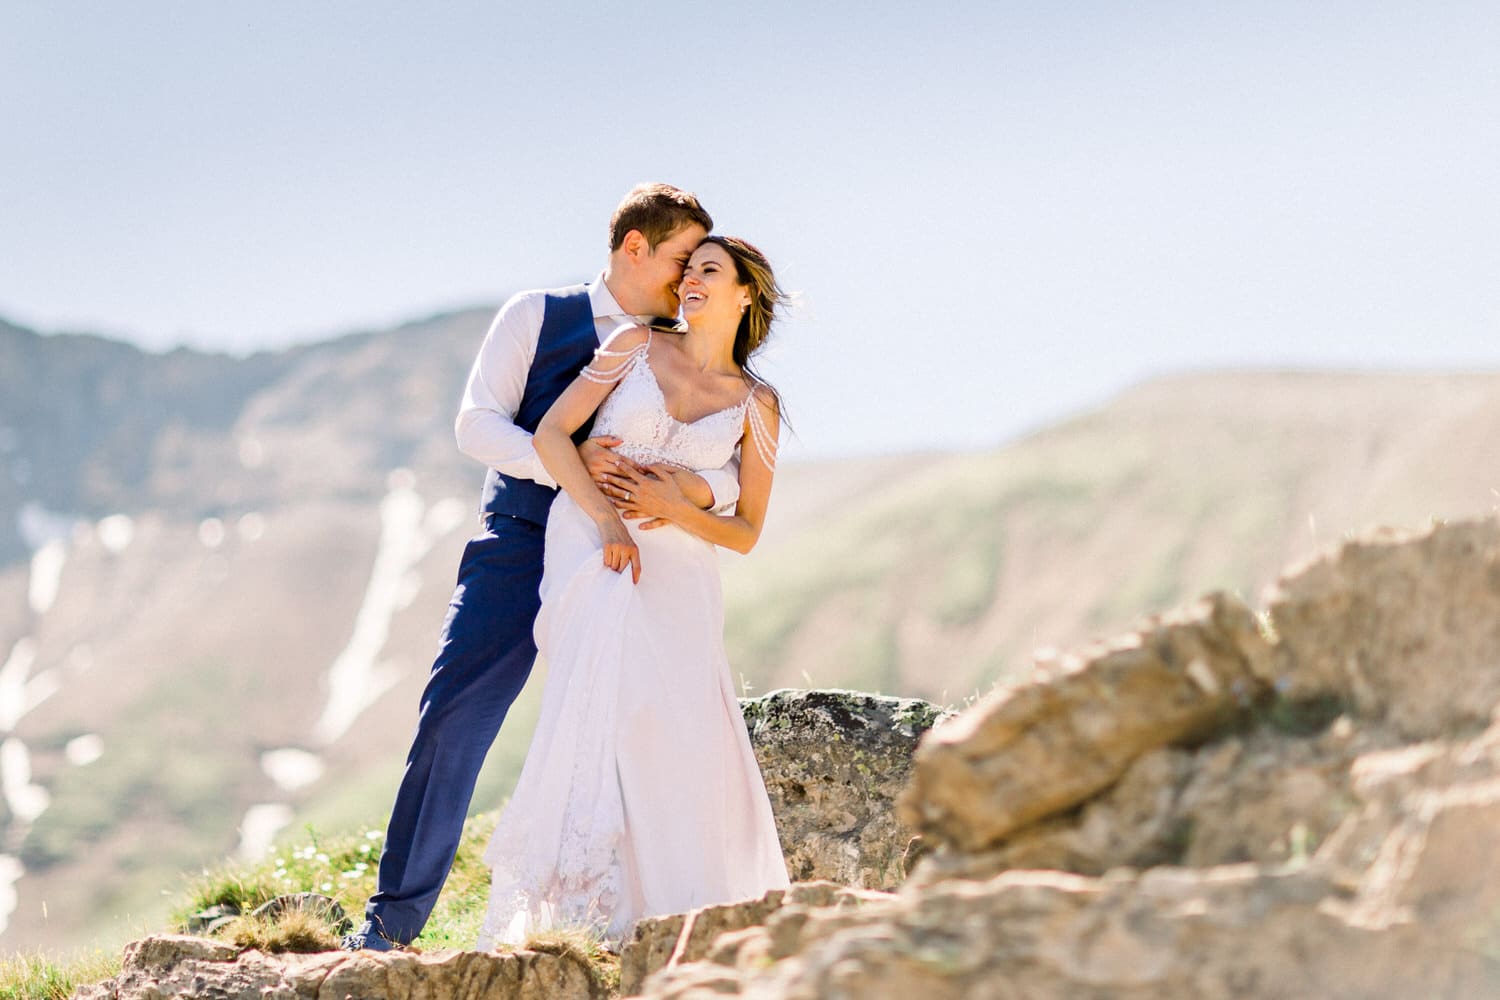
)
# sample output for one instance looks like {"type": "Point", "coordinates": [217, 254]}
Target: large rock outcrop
{"type": "Point", "coordinates": [1403, 629]}
{"type": "Point", "coordinates": [1040, 748]}
{"type": "Point", "coordinates": [1212, 807]}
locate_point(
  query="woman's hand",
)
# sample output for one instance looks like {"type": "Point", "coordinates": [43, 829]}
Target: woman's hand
{"type": "Point", "coordinates": [650, 491]}
{"type": "Point", "coordinates": [620, 549]}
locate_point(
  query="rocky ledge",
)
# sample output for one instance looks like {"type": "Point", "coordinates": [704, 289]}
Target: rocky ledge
{"type": "Point", "coordinates": [184, 966]}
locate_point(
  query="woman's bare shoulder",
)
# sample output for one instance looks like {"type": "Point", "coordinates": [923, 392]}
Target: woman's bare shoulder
{"type": "Point", "coordinates": [765, 397]}
{"type": "Point", "coordinates": [625, 338]}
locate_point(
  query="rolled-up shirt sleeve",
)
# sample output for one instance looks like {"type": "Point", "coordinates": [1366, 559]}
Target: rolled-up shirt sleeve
{"type": "Point", "coordinates": [485, 428]}
{"type": "Point", "coordinates": [725, 484]}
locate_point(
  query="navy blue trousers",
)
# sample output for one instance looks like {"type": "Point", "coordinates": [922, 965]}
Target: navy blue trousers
{"type": "Point", "coordinates": [484, 657]}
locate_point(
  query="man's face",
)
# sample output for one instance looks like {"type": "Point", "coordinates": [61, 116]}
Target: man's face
{"type": "Point", "coordinates": [661, 269]}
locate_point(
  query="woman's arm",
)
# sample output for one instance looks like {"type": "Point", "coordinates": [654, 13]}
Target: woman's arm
{"type": "Point", "coordinates": [656, 494]}
{"type": "Point", "coordinates": [554, 445]}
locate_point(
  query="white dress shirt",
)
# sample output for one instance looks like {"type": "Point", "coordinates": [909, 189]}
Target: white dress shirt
{"type": "Point", "coordinates": [486, 428]}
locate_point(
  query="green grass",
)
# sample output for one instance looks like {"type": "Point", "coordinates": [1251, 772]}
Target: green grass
{"type": "Point", "coordinates": [604, 968]}
{"type": "Point", "coordinates": [36, 977]}
{"type": "Point", "coordinates": [295, 931]}
{"type": "Point", "coordinates": [343, 867]}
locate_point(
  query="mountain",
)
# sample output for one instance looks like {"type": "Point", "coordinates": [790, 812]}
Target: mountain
{"type": "Point", "coordinates": [221, 578]}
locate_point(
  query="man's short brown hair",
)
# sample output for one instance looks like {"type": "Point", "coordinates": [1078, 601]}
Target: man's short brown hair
{"type": "Point", "coordinates": [658, 211]}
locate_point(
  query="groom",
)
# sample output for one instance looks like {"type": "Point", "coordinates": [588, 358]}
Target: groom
{"type": "Point", "coordinates": [534, 349]}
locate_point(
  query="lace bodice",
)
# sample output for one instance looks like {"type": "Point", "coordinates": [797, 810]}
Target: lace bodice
{"type": "Point", "coordinates": [636, 412]}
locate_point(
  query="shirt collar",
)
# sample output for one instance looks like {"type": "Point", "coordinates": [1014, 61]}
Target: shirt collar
{"type": "Point", "coordinates": [604, 303]}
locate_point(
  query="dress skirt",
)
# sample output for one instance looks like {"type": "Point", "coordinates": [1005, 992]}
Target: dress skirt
{"type": "Point", "coordinates": [640, 794]}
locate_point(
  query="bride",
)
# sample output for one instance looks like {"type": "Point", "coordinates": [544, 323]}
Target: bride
{"type": "Point", "coordinates": [640, 794]}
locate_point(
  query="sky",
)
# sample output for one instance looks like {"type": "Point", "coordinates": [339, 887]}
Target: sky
{"type": "Point", "coordinates": [994, 215]}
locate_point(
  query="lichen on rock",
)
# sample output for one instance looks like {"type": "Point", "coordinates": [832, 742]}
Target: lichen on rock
{"type": "Point", "coordinates": [833, 763]}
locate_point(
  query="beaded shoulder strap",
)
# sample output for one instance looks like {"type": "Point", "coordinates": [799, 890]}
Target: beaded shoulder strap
{"type": "Point", "coordinates": [598, 370]}
{"type": "Point", "coordinates": [765, 444]}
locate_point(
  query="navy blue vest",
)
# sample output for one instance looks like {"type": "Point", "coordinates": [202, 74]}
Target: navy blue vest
{"type": "Point", "coordinates": [566, 343]}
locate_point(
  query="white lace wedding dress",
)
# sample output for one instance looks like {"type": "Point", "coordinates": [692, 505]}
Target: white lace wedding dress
{"type": "Point", "coordinates": [640, 794]}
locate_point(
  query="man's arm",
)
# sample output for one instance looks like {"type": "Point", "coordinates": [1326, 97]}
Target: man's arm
{"type": "Point", "coordinates": [723, 486]}
{"type": "Point", "coordinates": [485, 427]}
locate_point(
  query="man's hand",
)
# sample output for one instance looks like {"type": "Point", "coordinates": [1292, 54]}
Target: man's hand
{"type": "Point", "coordinates": [599, 458]}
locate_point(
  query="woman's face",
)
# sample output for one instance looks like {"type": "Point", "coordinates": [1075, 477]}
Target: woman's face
{"type": "Point", "coordinates": [710, 288]}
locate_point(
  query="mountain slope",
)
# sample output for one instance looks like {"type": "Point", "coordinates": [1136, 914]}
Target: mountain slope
{"type": "Point", "coordinates": [940, 579]}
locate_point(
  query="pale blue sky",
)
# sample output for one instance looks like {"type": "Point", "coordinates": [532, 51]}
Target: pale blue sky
{"type": "Point", "coordinates": [996, 213]}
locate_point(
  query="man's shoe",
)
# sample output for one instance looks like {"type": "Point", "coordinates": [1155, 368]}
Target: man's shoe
{"type": "Point", "coordinates": [367, 938]}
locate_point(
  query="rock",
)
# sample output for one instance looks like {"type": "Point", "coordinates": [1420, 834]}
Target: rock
{"type": "Point", "coordinates": [1240, 931]}
{"type": "Point", "coordinates": [1044, 746]}
{"type": "Point", "coordinates": [1136, 823]}
{"type": "Point", "coordinates": [173, 966]}
{"type": "Point", "coordinates": [916, 850]}
{"type": "Point", "coordinates": [834, 762]}
{"type": "Point", "coordinates": [462, 975]}
{"type": "Point", "coordinates": [1265, 797]}
{"type": "Point", "coordinates": [731, 934]}
{"type": "Point", "coordinates": [1404, 627]}
{"type": "Point", "coordinates": [703, 926]}
{"type": "Point", "coordinates": [205, 920]}
{"type": "Point", "coordinates": [649, 948]}
{"type": "Point", "coordinates": [1172, 933]}
{"type": "Point", "coordinates": [699, 981]}
{"type": "Point", "coordinates": [1262, 796]}
{"type": "Point", "coordinates": [164, 951]}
